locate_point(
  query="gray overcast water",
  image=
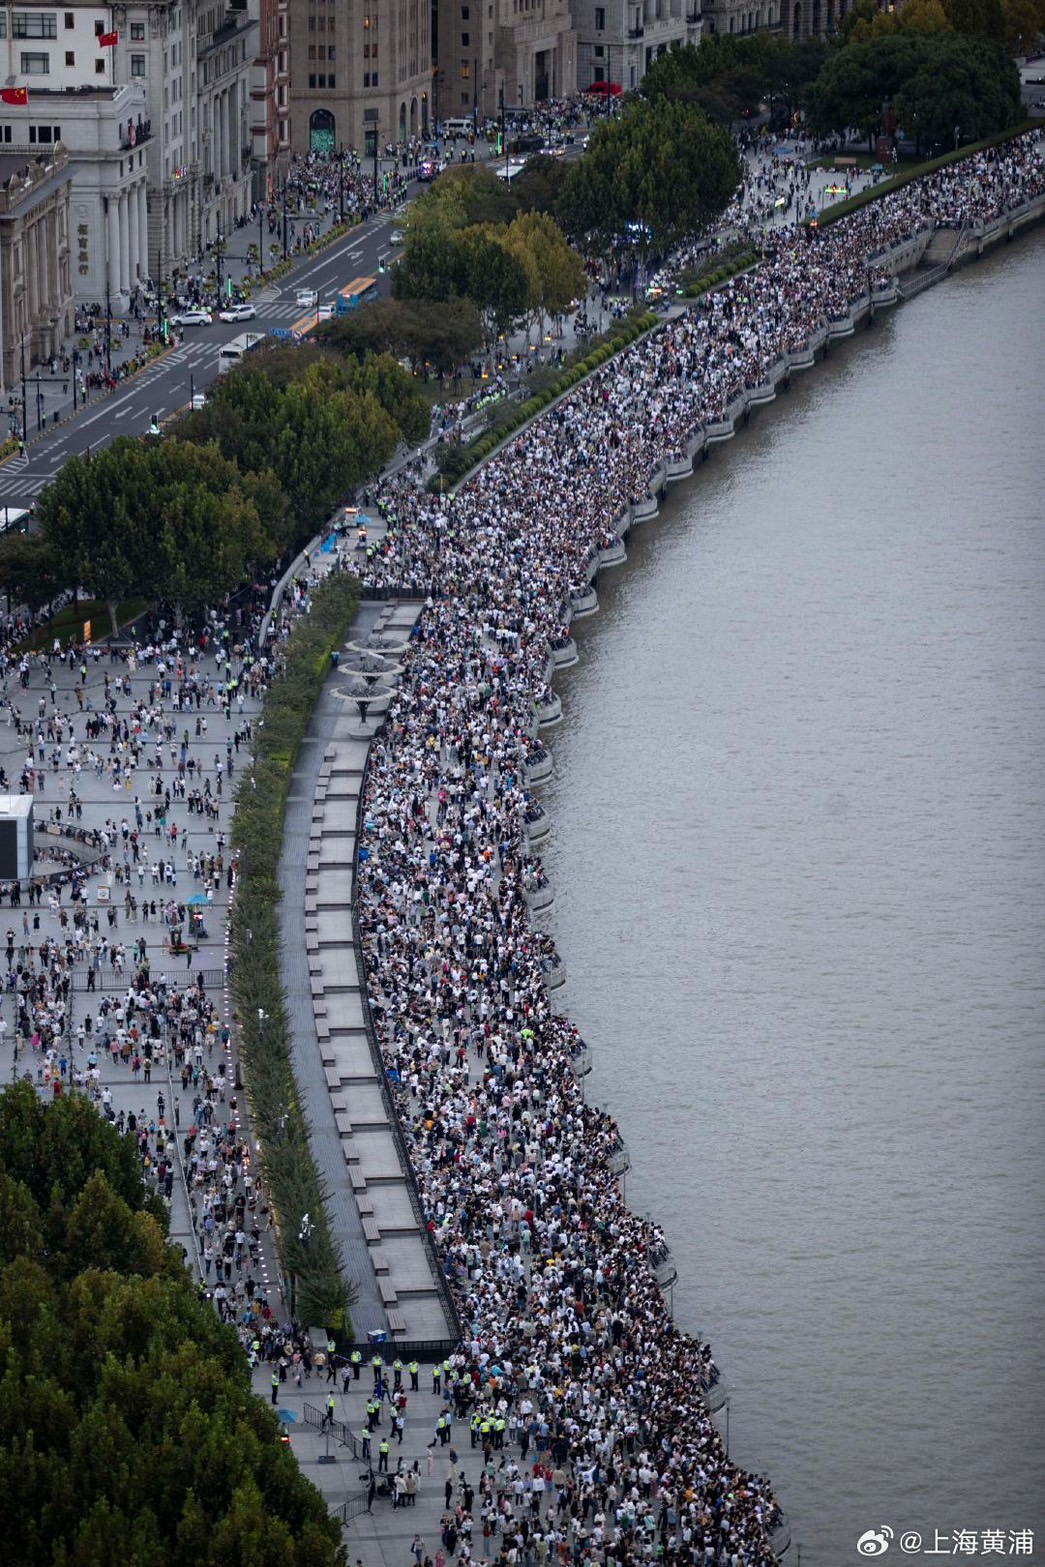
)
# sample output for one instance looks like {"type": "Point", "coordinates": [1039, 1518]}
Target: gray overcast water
{"type": "Point", "coordinates": [798, 856]}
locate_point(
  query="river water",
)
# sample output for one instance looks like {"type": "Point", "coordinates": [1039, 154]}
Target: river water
{"type": "Point", "coordinates": [798, 854]}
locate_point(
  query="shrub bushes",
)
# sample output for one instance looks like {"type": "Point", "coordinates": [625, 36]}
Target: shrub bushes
{"type": "Point", "coordinates": [294, 1184]}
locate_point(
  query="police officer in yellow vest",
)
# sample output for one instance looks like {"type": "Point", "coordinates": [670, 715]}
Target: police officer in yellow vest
{"type": "Point", "coordinates": [376, 1365]}
{"type": "Point", "coordinates": [382, 1456]}
{"type": "Point", "coordinates": [415, 1370]}
{"type": "Point", "coordinates": [356, 1361]}
{"type": "Point", "coordinates": [397, 1375]}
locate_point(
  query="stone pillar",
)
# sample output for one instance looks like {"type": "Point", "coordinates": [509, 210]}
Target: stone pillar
{"type": "Point", "coordinates": [143, 232]}
{"type": "Point", "coordinates": [125, 258]}
{"type": "Point", "coordinates": [133, 250]}
{"type": "Point", "coordinates": [112, 222]}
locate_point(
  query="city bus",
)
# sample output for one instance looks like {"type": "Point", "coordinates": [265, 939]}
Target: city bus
{"type": "Point", "coordinates": [360, 292]}
{"type": "Point", "coordinates": [231, 353]}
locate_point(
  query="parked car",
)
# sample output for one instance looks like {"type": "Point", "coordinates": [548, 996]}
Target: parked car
{"type": "Point", "coordinates": [199, 400]}
{"type": "Point", "coordinates": [192, 318]}
{"type": "Point", "coordinates": [238, 313]}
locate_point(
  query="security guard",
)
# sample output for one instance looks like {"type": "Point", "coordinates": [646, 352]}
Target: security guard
{"type": "Point", "coordinates": [437, 1372]}
{"type": "Point", "coordinates": [356, 1360]}
{"type": "Point", "coordinates": [397, 1375]}
{"type": "Point", "coordinates": [364, 1442]}
{"type": "Point", "coordinates": [382, 1456]}
{"type": "Point", "coordinates": [414, 1373]}
{"type": "Point", "coordinates": [275, 1386]}
{"type": "Point", "coordinates": [376, 1365]}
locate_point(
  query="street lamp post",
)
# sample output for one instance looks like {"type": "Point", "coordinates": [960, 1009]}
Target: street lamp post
{"type": "Point", "coordinates": [475, 100]}
{"type": "Point", "coordinates": [25, 429]}
{"type": "Point", "coordinates": [284, 220]}
{"type": "Point", "coordinates": [341, 183]}
{"type": "Point", "coordinates": [370, 117]}
{"type": "Point", "coordinates": [504, 138]}
{"type": "Point", "coordinates": [108, 331]}
{"type": "Point", "coordinates": [218, 246]}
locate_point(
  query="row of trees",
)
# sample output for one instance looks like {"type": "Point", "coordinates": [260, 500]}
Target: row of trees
{"type": "Point", "coordinates": [183, 520]}
{"type": "Point", "coordinates": [941, 87]}
{"type": "Point", "coordinates": [939, 63]}
{"type": "Point", "coordinates": [460, 244]}
{"type": "Point", "coordinates": [128, 1428]}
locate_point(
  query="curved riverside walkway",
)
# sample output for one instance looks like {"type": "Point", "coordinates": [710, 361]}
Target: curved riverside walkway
{"type": "Point", "coordinates": [449, 822]}
{"type": "Point", "coordinates": [356, 1140]}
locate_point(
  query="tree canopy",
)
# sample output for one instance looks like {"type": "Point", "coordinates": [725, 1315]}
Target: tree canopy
{"type": "Point", "coordinates": [656, 174]}
{"type": "Point", "coordinates": [458, 247]}
{"type": "Point", "coordinates": [729, 76]}
{"type": "Point", "coordinates": [128, 1428]}
{"type": "Point", "coordinates": [158, 519]}
{"type": "Point", "coordinates": [936, 81]}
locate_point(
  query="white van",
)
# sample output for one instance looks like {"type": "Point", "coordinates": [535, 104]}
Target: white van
{"type": "Point", "coordinates": [458, 127]}
{"type": "Point", "coordinates": [305, 298]}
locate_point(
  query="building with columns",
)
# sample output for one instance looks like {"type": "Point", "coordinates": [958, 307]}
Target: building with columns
{"type": "Point", "coordinates": [270, 94]}
{"type": "Point", "coordinates": [104, 133]}
{"type": "Point", "coordinates": [36, 299]}
{"type": "Point", "coordinates": [525, 49]}
{"type": "Point", "coordinates": [358, 69]}
{"type": "Point", "coordinates": [795, 20]}
{"type": "Point", "coordinates": [618, 40]}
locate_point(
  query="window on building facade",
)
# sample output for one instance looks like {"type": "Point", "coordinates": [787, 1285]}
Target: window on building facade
{"type": "Point", "coordinates": [465, 39]}
{"type": "Point", "coordinates": [600, 18]}
{"type": "Point", "coordinates": [99, 67]}
{"type": "Point", "coordinates": [5, 133]}
{"type": "Point", "coordinates": [36, 64]}
{"type": "Point", "coordinates": [99, 29]}
{"type": "Point", "coordinates": [70, 57]}
{"type": "Point", "coordinates": [70, 19]}
{"type": "Point", "coordinates": [137, 65]}
{"type": "Point", "coordinates": [34, 24]}
{"type": "Point", "coordinates": [137, 32]}
{"type": "Point", "coordinates": [466, 70]}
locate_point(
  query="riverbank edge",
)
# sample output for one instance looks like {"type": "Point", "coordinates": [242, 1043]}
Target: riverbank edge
{"type": "Point", "coordinates": [905, 257]}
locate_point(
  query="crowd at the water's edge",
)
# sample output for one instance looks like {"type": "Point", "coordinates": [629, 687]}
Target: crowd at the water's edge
{"type": "Point", "coordinates": [552, 1275]}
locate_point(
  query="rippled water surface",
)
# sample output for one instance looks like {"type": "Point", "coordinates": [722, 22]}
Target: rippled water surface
{"type": "Point", "coordinates": [798, 853]}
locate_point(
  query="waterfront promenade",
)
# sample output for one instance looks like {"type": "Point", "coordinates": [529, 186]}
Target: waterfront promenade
{"type": "Point", "coordinates": [557, 1283]}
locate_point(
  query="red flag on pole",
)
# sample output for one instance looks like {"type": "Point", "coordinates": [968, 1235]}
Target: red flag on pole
{"type": "Point", "coordinates": [19, 95]}
{"type": "Point", "coordinates": [108, 40]}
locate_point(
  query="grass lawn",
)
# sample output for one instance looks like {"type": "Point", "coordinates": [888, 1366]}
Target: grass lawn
{"type": "Point", "coordinates": [68, 624]}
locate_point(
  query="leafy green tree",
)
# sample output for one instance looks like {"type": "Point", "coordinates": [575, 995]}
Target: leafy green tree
{"type": "Point", "coordinates": [396, 391]}
{"type": "Point", "coordinates": [555, 272]}
{"type": "Point", "coordinates": [539, 184]}
{"type": "Point", "coordinates": [852, 88]}
{"type": "Point", "coordinates": [660, 166]}
{"type": "Point", "coordinates": [30, 573]}
{"type": "Point", "coordinates": [965, 88]}
{"type": "Point", "coordinates": [128, 1429]}
{"type": "Point", "coordinates": [158, 519]}
{"type": "Point", "coordinates": [497, 281]}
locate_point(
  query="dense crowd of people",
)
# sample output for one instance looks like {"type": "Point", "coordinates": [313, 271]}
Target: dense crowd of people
{"type": "Point", "coordinates": [554, 1279]}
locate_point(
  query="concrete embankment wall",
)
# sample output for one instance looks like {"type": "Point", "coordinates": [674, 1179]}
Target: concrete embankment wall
{"type": "Point", "coordinates": [958, 246]}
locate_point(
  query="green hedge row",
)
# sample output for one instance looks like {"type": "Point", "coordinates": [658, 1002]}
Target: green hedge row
{"type": "Point", "coordinates": [740, 264]}
{"type": "Point", "coordinates": [463, 459]}
{"type": "Point", "coordinates": [313, 1270]}
{"type": "Point", "coordinates": [875, 192]}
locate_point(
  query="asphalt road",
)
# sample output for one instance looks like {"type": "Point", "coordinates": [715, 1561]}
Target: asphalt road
{"type": "Point", "coordinates": [168, 383]}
